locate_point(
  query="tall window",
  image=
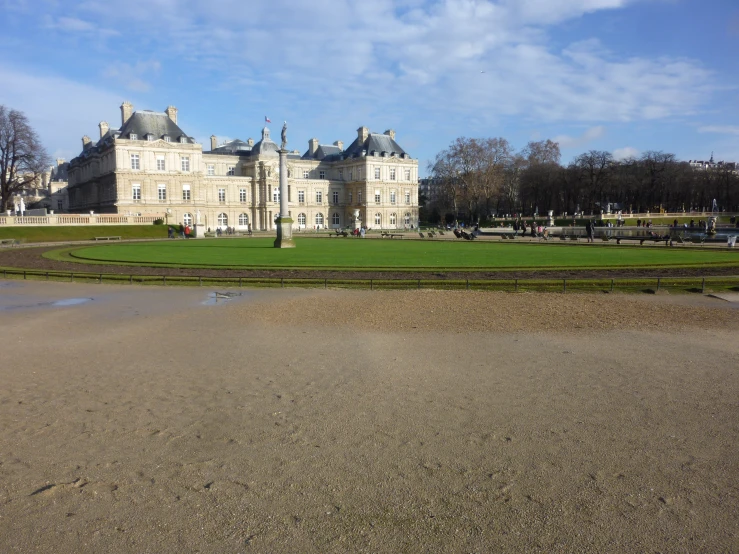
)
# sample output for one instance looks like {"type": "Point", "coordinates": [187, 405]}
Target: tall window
{"type": "Point", "coordinates": [242, 195]}
{"type": "Point", "coordinates": [335, 197]}
{"type": "Point", "coordinates": [160, 162]}
{"type": "Point", "coordinates": [222, 220]}
{"type": "Point", "coordinates": [276, 194]}
{"type": "Point", "coordinates": [319, 219]}
{"type": "Point", "coordinates": [407, 174]}
{"type": "Point", "coordinates": [378, 219]}
{"type": "Point", "coordinates": [407, 218]}
{"type": "Point", "coordinates": [407, 197]}
{"type": "Point", "coordinates": [377, 173]}
{"type": "Point", "coordinates": [301, 196]}
{"type": "Point", "coordinates": [392, 174]}
{"type": "Point", "coordinates": [341, 174]}
{"type": "Point", "coordinates": [136, 190]}
{"type": "Point", "coordinates": [351, 175]}
{"type": "Point", "coordinates": [231, 170]}
{"type": "Point", "coordinates": [335, 219]}
{"type": "Point", "coordinates": [377, 196]}
{"type": "Point", "coordinates": [392, 197]}
{"type": "Point", "coordinates": [350, 197]}
{"type": "Point", "coordinates": [211, 169]}
{"type": "Point", "coordinates": [393, 219]}
{"type": "Point", "coordinates": [359, 197]}
{"type": "Point", "coordinates": [305, 174]}
{"type": "Point", "coordinates": [319, 197]}
{"type": "Point", "coordinates": [59, 205]}
{"type": "Point", "coordinates": [135, 161]}
{"type": "Point", "coordinates": [187, 219]}
{"type": "Point", "coordinates": [162, 191]}
{"type": "Point", "coordinates": [322, 174]}
{"type": "Point", "coordinates": [301, 220]}
{"type": "Point", "coordinates": [185, 163]}
{"type": "Point", "coordinates": [186, 192]}
{"type": "Point", "coordinates": [221, 195]}
{"type": "Point", "coordinates": [243, 220]}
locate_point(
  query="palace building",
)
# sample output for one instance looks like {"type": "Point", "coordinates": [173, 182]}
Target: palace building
{"type": "Point", "coordinates": [150, 166]}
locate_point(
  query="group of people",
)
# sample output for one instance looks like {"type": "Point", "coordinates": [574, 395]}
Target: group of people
{"type": "Point", "coordinates": [183, 231]}
{"type": "Point", "coordinates": [534, 229]}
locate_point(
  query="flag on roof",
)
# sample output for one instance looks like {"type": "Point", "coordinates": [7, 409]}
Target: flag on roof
{"type": "Point", "coordinates": [267, 119]}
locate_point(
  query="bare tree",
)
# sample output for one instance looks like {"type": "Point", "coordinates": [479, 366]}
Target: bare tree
{"type": "Point", "coordinates": [22, 157]}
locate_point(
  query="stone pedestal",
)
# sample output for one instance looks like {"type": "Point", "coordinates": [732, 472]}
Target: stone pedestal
{"type": "Point", "coordinates": [284, 223]}
{"type": "Point", "coordinates": [284, 233]}
{"type": "Point", "coordinates": [198, 231]}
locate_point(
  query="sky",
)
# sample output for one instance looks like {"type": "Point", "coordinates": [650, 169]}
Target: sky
{"type": "Point", "coordinates": [626, 76]}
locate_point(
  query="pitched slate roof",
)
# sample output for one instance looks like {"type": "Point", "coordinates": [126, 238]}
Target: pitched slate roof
{"type": "Point", "coordinates": [233, 147]}
{"type": "Point", "coordinates": [59, 173]}
{"type": "Point", "coordinates": [144, 122]}
{"type": "Point", "coordinates": [265, 147]}
{"type": "Point", "coordinates": [375, 142]}
{"type": "Point", "coordinates": [330, 151]}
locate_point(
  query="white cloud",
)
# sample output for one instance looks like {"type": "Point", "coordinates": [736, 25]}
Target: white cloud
{"type": "Point", "coordinates": [61, 111]}
{"type": "Point", "coordinates": [625, 153]}
{"type": "Point", "coordinates": [721, 129]}
{"type": "Point", "coordinates": [132, 76]}
{"type": "Point", "coordinates": [591, 134]}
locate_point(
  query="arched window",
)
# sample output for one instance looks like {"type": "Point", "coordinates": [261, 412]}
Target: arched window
{"type": "Point", "coordinates": [222, 220]}
{"type": "Point", "coordinates": [187, 219]}
{"type": "Point", "coordinates": [335, 219]}
{"type": "Point", "coordinates": [407, 218]}
{"type": "Point", "coordinates": [378, 220]}
{"type": "Point", "coordinates": [319, 219]}
{"type": "Point", "coordinates": [243, 220]}
{"type": "Point", "coordinates": [393, 219]}
{"type": "Point", "coordinates": [301, 220]}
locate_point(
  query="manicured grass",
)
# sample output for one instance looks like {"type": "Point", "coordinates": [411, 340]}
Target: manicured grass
{"type": "Point", "coordinates": [59, 233]}
{"type": "Point", "coordinates": [393, 254]}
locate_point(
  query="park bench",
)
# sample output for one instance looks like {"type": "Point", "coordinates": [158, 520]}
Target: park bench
{"type": "Point", "coordinates": [698, 240]}
{"type": "Point", "coordinates": [422, 235]}
{"type": "Point", "coordinates": [10, 242]}
{"type": "Point", "coordinates": [391, 235]}
{"type": "Point", "coordinates": [642, 240]}
{"type": "Point", "coordinates": [339, 234]}
{"type": "Point", "coordinates": [108, 238]}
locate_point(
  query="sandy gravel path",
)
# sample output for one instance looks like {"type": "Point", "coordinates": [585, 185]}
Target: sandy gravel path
{"type": "Point", "coordinates": [339, 421]}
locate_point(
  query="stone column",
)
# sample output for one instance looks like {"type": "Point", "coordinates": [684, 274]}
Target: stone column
{"type": "Point", "coordinates": [284, 222]}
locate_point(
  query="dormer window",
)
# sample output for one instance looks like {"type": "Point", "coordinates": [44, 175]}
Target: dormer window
{"type": "Point", "coordinates": [166, 138]}
{"type": "Point", "coordinates": [183, 139]}
{"type": "Point", "coordinates": [133, 136]}
{"type": "Point", "coordinates": [149, 137]}
{"type": "Point", "coordinates": [374, 153]}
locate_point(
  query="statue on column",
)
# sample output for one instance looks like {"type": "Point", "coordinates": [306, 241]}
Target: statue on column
{"type": "Point", "coordinates": [284, 136]}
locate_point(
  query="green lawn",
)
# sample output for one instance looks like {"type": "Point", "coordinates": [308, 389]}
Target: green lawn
{"type": "Point", "coordinates": [59, 233]}
{"type": "Point", "coordinates": [324, 253]}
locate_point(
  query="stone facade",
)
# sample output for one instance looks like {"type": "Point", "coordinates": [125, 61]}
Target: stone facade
{"type": "Point", "coordinates": [151, 167]}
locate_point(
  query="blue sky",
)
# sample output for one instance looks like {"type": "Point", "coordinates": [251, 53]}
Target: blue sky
{"type": "Point", "coordinates": [625, 76]}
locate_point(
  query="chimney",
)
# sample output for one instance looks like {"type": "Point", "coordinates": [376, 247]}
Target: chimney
{"type": "Point", "coordinates": [171, 112]}
{"type": "Point", "coordinates": [103, 128]}
{"type": "Point", "coordinates": [126, 112]}
{"type": "Point", "coordinates": [312, 146]}
{"type": "Point", "coordinates": [362, 134]}
{"type": "Point", "coordinates": [213, 142]}
{"type": "Point", "coordinates": [340, 144]}
{"type": "Point", "coordinates": [86, 142]}
{"type": "Point", "coordinates": [390, 133]}
{"type": "Point", "coordinates": [250, 142]}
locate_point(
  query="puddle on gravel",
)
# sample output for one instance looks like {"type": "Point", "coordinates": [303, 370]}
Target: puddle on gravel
{"type": "Point", "coordinates": [215, 298]}
{"type": "Point", "coordinates": [64, 302]}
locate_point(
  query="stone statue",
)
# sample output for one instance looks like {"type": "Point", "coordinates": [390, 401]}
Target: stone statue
{"type": "Point", "coordinates": [284, 136]}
